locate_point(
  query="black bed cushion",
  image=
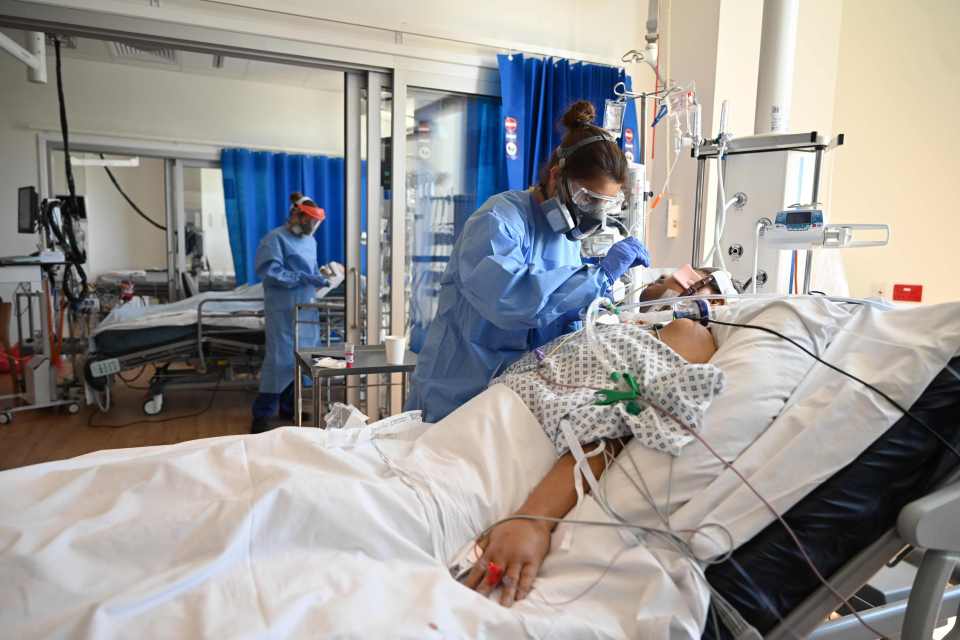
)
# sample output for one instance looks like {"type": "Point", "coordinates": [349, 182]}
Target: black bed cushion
{"type": "Point", "coordinates": [767, 577]}
{"type": "Point", "coordinates": [120, 342]}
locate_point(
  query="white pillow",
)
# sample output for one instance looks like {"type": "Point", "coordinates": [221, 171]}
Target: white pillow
{"type": "Point", "coordinates": [762, 372]}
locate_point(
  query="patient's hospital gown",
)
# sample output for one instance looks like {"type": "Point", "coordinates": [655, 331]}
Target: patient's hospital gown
{"type": "Point", "coordinates": [559, 384]}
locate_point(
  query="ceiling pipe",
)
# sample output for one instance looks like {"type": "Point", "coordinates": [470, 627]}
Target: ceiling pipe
{"type": "Point", "coordinates": [778, 48]}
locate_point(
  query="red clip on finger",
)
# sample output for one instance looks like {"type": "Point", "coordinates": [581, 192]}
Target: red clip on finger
{"type": "Point", "coordinates": [494, 574]}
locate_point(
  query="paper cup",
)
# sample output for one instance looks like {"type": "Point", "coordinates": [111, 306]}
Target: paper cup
{"type": "Point", "coordinates": [396, 347]}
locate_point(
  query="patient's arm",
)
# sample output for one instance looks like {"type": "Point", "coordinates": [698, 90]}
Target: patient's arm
{"type": "Point", "coordinates": [519, 546]}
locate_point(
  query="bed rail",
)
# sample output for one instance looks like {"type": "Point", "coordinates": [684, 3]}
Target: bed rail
{"type": "Point", "coordinates": [240, 313]}
{"type": "Point", "coordinates": [931, 523]}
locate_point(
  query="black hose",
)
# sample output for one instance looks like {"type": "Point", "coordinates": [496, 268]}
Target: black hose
{"type": "Point", "coordinates": [69, 212]}
{"type": "Point", "coordinates": [74, 283]}
{"type": "Point", "coordinates": [68, 168]}
{"type": "Point", "coordinates": [116, 184]}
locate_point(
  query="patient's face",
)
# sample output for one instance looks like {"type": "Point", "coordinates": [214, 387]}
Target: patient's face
{"type": "Point", "coordinates": [658, 287]}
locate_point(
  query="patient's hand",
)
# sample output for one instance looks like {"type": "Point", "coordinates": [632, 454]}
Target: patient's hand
{"type": "Point", "coordinates": [518, 547]}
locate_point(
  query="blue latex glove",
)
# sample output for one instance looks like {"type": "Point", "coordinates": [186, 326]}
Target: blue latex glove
{"type": "Point", "coordinates": [314, 279]}
{"type": "Point", "coordinates": [623, 256]}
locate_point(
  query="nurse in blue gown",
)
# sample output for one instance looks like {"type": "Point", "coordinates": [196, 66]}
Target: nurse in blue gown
{"type": "Point", "coordinates": [515, 279]}
{"type": "Point", "coordinates": [286, 263]}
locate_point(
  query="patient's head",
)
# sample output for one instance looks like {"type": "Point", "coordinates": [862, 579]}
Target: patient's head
{"type": "Point", "coordinates": [688, 281]}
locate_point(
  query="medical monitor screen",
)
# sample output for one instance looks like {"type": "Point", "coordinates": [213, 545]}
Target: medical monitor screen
{"type": "Point", "coordinates": [798, 218]}
{"type": "Point", "coordinates": [28, 208]}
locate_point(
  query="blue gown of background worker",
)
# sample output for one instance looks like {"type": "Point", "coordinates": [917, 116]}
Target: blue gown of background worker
{"type": "Point", "coordinates": [286, 263]}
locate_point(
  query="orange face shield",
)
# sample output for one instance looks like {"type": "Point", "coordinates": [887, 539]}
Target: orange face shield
{"type": "Point", "coordinates": [313, 211]}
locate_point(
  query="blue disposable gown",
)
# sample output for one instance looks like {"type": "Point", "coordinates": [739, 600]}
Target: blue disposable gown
{"type": "Point", "coordinates": [512, 284]}
{"type": "Point", "coordinates": [287, 265]}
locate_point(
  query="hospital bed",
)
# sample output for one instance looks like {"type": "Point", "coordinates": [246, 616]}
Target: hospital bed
{"type": "Point", "coordinates": [901, 495]}
{"type": "Point", "coordinates": [214, 340]}
{"type": "Point", "coordinates": [153, 283]}
{"type": "Point", "coordinates": [296, 532]}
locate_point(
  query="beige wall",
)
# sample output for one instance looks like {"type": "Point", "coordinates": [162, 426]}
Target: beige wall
{"type": "Point", "coordinates": [151, 104]}
{"type": "Point", "coordinates": [898, 91]}
{"type": "Point", "coordinates": [577, 28]}
{"type": "Point", "coordinates": [117, 239]}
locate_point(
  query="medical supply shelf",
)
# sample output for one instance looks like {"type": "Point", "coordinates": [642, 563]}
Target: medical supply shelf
{"type": "Point", "coordinates": [368, 360]}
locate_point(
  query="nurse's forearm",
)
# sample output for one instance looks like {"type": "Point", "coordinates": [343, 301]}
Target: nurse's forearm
{"type": "Point", "coordinates": [518, 298]}
{"type": "Point", "coordinates": [556, 494]}
{"type": "Point", "coordinates": [280, 277]}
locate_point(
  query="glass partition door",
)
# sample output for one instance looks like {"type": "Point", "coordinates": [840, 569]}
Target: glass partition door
{"type": "Point", "coordinates": [452, 166]}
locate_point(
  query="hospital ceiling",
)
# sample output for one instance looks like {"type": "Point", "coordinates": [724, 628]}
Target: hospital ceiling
{"type": "Point", "coordinates": [197, 63]}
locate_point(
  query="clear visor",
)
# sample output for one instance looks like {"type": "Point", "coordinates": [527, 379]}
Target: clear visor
{"type": "Point", "coordinates": [594, 202]}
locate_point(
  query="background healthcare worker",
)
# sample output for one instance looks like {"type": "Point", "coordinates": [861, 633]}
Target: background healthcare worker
{"type": "Point", "coordinates": [286, 263]}
{"type": "Point", "coordinates": [515, 279]}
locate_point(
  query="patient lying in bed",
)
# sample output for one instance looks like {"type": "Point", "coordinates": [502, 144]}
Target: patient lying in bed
{"type": "Point", "coordinates": [350, 533]}
{"type": "Point", "coordinates": [557, 385]}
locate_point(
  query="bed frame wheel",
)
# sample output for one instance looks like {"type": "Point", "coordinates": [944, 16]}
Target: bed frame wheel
{"type": "Point", "coordinates": [73, 408]}
{"type": "Point", "coordinates": [6, 417]}
{"type": "Point", "coordinates": [153, 405]}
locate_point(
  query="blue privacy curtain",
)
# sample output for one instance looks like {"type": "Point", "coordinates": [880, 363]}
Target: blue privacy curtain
{"type": "Point", "coordinates": [536, 92]}
{"type": "Point", "coordinates": [486, 170]}
{"type": "Point", "coordinates": [257, 187]}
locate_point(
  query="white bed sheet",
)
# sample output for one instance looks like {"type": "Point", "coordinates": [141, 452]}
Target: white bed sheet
{"type": "Point", "coordinates": [300, 532]}
{"type": "Point", "coordinates": [184, 312]}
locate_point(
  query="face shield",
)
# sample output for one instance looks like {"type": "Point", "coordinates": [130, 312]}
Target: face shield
{"type": "Point", "coordinates": [306, 216]}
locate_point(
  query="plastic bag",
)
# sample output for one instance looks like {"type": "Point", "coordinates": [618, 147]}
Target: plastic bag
{"type": "Point", "coordinates": [344, 416]}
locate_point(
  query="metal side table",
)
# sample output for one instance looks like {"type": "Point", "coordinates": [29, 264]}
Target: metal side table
{"type": "Point", "coordinates": [368, 360]}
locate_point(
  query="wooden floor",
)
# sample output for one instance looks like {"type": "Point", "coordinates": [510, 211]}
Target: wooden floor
{"type": "Point", "coordinates": [49, 434]}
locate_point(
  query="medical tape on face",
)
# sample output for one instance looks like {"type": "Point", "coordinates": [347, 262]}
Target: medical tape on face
{"type": "Point", "coordinates": [685, 276]}
{"type": "Point", "coordinates": [725, 283]}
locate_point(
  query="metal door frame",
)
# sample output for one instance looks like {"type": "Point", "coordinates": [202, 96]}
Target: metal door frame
{"type": "Point", "coordinates": [393, 71]}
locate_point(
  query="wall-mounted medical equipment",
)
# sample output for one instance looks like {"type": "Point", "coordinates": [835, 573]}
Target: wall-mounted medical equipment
{"type": "Point", "coordinates": [804, 228]}
{"type": "Point", "coordinates": [757, 225]}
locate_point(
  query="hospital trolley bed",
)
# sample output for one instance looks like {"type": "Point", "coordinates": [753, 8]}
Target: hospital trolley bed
{"type": "Point", "coordinates": [152, 283]}
{"type": "Point", "coordinates": [296, 532]}
{"type": "Point", "coordinates": [210, 341]}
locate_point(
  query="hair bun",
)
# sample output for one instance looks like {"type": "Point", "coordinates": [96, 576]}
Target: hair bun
{"type": "Point", "coordinates": [581, 113]}
{"type": "Point", "coordinates": [296, 195]}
